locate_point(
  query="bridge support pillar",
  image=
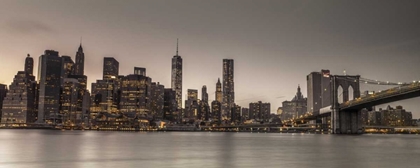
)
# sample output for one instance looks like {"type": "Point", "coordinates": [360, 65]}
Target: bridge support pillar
{"type": "Point", "coordinates": [346, 122]}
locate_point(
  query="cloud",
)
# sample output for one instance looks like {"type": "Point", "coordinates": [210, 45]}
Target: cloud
{"type": "Point", "coordinates": [30, 27]}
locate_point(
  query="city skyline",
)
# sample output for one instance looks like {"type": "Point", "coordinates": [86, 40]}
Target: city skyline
{"type": "Point", "coordinates": [276, 56]}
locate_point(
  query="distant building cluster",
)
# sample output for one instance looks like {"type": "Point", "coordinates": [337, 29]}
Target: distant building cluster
{"type": "Point", "coordinates": [60, 97]}
{"type": "Point", "coordinates": [388, 117]}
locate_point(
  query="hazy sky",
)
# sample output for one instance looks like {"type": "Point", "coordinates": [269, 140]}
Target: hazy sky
{"type": "Point", "coordinates": [275, 44]}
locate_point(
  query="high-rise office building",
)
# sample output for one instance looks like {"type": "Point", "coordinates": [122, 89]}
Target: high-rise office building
{"type": "Point", "coordinates": [20, 101]}
{"type": "Point", "coordinates": [29, 65]}
{"type": "Point", "coordinates": [236, 114]}
{"type": "Point", "coordinates": [67, 66]}
{"type": "Point", "coordinates": [170, 106]}
{"type": "Point", "coordinates": [157, 100]}
{"type": "Point", "coordinates": [135, 94]}
{"type": "Point", "coordinates": [191, 104]}
{"type": "Point", "coordinates": [219, 93]}
{"type": "Point", "coordinates": [70, 115]}
{"type": "Point", "coordinates": [319, 91]}
{"type": "Point", "coordinates": [204, 112]}
{"type": "Point", "coordinates": [228, 88]}
{"type": "Point", "coordinates": [79, 66]}
{"type": "Point", "coordinates": [140, 71]}
{"type": "Point", "coordinates": [259, 111]}
{"type": "Point", "coordinates": [110, 68]}
{"type": "Point", "coordinates": [176, 77]}
{"type": "Point", "coordinates": [204, 95]}
{"type": "Point", "coordinates": [49, 73]}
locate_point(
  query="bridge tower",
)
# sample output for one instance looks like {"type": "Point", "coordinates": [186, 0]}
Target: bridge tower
{"type": "Point", "coordinates": [343, 122]}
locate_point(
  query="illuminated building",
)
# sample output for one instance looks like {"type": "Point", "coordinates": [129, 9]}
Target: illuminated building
{"type": "Point", "coordinates": [228, 88]}
{"type": "Point", "coordinates": [219, 93]}
{"type": "Point", "coordinates": [259, 111]}
{"type": "Point", "coordinates": [110, 68]}
{"type": "Point", "coordinates": [79, 66]}
{"type": "Point", "coordinates": [20, 101]}
{"type": "Point", "coordinates": [170, 105]}
{"type": "Point", "coordinates": [294, 108]}
{"type": "Point", "coordinates": [135, 94]}
{"type": "Point", "coordinates": [157, 100]}
{"type": "Point", "coordinates": [67, 65]}
{"type": "Point", "coordinates": [319, 93]}
{"type": "Point", "coordinates": [204, 112]}
{"type": "Point", "coordinates": [140, 71]}
{"type": "Point", "coordinates": [216, 111]}
{"type": "Point", "coordinates": [176, 77]}
{"type": "Point", "coordinates": [50, 66]}
{"type": "Point", "coordinates": [70, 114]}
{"type": "Point", "coordinates": [191, 104]}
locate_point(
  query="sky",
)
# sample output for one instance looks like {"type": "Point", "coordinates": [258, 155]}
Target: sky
{"type": "Point", "coordinates": [274, 43]}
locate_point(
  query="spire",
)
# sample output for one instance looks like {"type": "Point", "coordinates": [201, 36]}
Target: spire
{"type": "Point", "coordinates": [218, 80]}
{"type": "Point", "coordinates": [177, 46]}
{"type": "Point", "coordinates": [80, 47]}
{"type": "Point", "coordinates": [29, 55]}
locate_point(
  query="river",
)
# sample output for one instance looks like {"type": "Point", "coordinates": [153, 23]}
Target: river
{"type": "Point", "coordinates": [93, 149]}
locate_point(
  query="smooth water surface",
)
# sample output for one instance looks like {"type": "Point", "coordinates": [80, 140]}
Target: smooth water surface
{"type": "Point", "coordinates": [92, 149]}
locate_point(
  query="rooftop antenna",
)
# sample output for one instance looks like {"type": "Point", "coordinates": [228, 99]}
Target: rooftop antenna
{"type": "Point", "coordinates": [176, 46]}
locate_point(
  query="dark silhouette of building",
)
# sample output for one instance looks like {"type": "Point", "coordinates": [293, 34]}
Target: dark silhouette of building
{"type": "Point", "coordinates": [259, 111]}
{"type": "Point", "coordinates": [19, 105]}
{"type": "Point", "coordinates": [3, 92]}
{"type": "Point", "coordinates": [228, 88]}
{"type": "Point", "coordinates": [245, 114]}
{"type": "Point", "coordinates": [79, 66]}
{"type": "Point", "coordinates": [204, 112]}
{"type": "Point", "coordinates": [157, 100]}
{"type": "Point", "coordinates": [294, 108]}
{"type": "Point", "coordinates": [110, 68]}
{"type": "Point", "coordinates": [140, 71]}
{"type": "Point", "coordinates": [170, 105]}
{"type": "Point", "coordinates": [236, 114]}
{"type": "Point", "coordinates": [67, 66]}
{"type": "Point", "coordinates": [50, 66]}
{"type": "Point", "coordinates": [70, 109]}
{"type": "Point", "coordinates": [176, 77]}
{"type": "Point", "coordinates": [204, 95]}
{"type": "Point", "coordinates": [29, 65]}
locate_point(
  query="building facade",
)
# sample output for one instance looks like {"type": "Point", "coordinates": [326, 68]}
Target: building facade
{"type": "Point", "coordinates": [170, 106]}
{"type": "Point", "coordinates": [176, 77]}
{"type": "Point", "coordinates": [228, 88]}
{"type": "Point", "coordinates": [49, 73]}
{"type": "Point", "coordinates": [110, 68]}
{"type": "Point", "coordinates": [157, 100]}
{"type": "Point", "coordinates": [259, 111]}
{"type": "Point", "coordinates": [294, 108]}
{"type": "Point", "coordinates": [19, 105]}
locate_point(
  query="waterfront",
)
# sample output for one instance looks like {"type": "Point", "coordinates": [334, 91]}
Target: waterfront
{"type": "Point", "coordinates": [52, 148]}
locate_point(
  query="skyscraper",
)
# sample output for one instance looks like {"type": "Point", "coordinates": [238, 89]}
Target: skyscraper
{"type": "Point", "coordinates": [3, 92]}
{"type": "Point", "coordinates": [319, 93]}
{"type": "Point", "coordinates": [294, 108]}
{"type": "Point", "coordinates": [135, 94]}
{"type": "Point", "coordinates": [67, 67]}
{"type": "Point", "coordinates": [204, 95]}
{"type": "Point", "coordinates": [216, 111]}
{"type": "Point", "coordinates": [176, 77]}
{"type": "Point", "coordinates": [29, 65]}
{"type": "Point", "coordinates": [110, 68]}
{"type": "Point", "coordinates": [79, 66]}
{"type": "Point", "coordinates": [219, 94]}
{"type": "Point", "coordinates": [228, 88]}
{"type": "Point", "coordinates": [170, 105]}
{"type": "Point", "coordinates": [191, 104]}
{"type": "Point", "coordinates": [69, 113]}
{"type": "Point", "coordinates": [157, 100]}
{"type": "Point", "coordinates": [50, 66]}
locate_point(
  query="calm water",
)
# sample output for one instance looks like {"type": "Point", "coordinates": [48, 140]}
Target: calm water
{"type": "Point", "coordinates": [91, 149]}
